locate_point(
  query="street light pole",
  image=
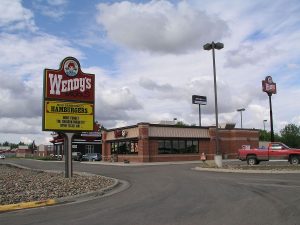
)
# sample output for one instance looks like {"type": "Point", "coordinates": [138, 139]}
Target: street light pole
{"type": "Point", "coordinates": [241, 111]}
{"type": "Point", "coordinates": [212, 46]}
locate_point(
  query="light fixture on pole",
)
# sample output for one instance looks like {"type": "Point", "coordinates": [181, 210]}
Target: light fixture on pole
{"type": "Point", "coordinates": [265, 124]}
{"type": "Point", "coordinates": [241, 111]}
{"type": "Point", "coordinates": [212, 46]}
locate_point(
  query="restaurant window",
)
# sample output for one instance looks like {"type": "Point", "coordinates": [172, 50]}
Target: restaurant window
{"type": "Point", "coordinates": [177, 146]}
{"type": "Point", "coordinates": [89, 148]}
{"type": "Point", "coordinates": [192, 146]}
{"type": "Point", "coordinates": [124, 147]}
{"type": "Point", "coordinates": [164, 147]}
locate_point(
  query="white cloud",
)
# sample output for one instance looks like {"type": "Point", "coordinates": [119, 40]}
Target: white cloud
{"type": "Point", "coordinates": [21, 125]}
{"type": "Point", "coordinates": [159, 26]}
{"type": "Point", "coordinates": [24, 59]}
{"type": "Point", "coordinates": [14, 16]}
{"type": "Point", "coordinates": [148, 87]}
{"type": "Point", "coordinates": [54, 9]}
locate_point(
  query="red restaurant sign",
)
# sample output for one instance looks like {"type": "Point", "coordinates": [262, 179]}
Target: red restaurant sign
{"type": "Point", "coordinates": [269, 86]}
{"type": "Point", "coordinates": [69, 82]}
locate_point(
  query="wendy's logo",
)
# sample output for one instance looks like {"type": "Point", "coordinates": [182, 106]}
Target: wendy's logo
{"type": "Point", "coordinates": [71, 68]}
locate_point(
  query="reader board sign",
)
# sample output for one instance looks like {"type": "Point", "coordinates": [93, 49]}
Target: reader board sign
{"type": "Point", "coordinates": [68, 98]}
{"type": "Point", "coordinates": [69, 115]}
{"type": "Point", "coordinates": [201, 100]}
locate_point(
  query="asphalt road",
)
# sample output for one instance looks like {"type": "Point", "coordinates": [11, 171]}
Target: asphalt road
{"type": "Point", "coordinates": [173, 195]}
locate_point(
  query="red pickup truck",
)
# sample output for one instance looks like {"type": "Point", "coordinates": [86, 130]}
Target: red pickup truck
{"type": "Point", "coordinates": [275, 151]}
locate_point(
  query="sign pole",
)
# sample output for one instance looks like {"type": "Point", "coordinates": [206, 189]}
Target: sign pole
{"type": "Point", "coordinates": [199, 115]}
{"type": "Point", "coordinates": [68, 155]}
{"type": "Point", "coordinates": [271, 118]}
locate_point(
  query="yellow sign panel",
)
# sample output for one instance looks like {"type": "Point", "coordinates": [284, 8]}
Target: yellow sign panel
{"type": "Point", "coordinates": [69, 116]}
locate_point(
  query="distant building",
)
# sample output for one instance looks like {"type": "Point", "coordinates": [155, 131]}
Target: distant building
{"type": "Point", "coordinates": [4, 149]}
{"type": "Point", "coordinates": [23, 151]}
{"type": "Point", "coordinates": [44, 150]}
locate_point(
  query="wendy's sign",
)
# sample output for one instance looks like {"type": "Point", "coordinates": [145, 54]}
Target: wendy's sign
{"type": "Point", "coordinates": [69, 82]}
{"type": "Point", "coordinates": [69, 96]}
{"type": "Point", "coordinates": [269, 86]}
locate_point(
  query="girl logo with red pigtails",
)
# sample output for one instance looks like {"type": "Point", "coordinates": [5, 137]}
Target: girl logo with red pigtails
{"type": "Point", "coordinates": [71, 68]}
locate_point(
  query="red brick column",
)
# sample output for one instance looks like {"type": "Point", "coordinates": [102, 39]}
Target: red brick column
{"type": "Point", "coordinates": [105, 147]}
{"type": "Point", "coordinates": [143, 142]}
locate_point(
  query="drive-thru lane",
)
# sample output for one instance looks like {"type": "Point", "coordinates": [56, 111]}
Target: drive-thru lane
{"type": "Point", "coordinates": [173, 194]}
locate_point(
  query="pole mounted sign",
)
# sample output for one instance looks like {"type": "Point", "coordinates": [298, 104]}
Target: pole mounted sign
{"type": "Point", "coordinates": [269, 86]}
{"type": "Point", "coordinates": [69, 96]}
{"type": "Point", "coordinates": [68, 104]}
{"type": "Point", "coordinates": [196, 99]}
{"type": "Point", "coordinates": [199, 100]}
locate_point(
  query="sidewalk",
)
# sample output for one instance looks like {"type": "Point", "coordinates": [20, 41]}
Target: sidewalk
{"type": "Point", "coordinates": [141, 164]}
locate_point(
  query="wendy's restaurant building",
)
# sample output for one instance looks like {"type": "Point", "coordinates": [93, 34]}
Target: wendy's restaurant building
{"type": "Point", "coordinates": [147, 142]}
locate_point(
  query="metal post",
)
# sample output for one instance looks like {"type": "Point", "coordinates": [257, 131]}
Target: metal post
{"type": "Point", "coordinates": [68, 155]}
{"type": "Point", "coordinates": [241, 119]}
{"type": "Point", "coordinates": [264, 121]}
{"type": "Point", "coordinates": [271, 118]}
{"type": "Point", "coordinates": [199, 115]}
{"type": "Point", "coordinates": [216, 100]}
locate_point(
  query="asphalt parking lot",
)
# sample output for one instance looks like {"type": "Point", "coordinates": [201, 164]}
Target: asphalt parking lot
{"type": "Point", "coordinates": [174, 195]}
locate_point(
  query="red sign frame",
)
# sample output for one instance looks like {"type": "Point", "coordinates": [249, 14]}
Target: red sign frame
{"type": "Point", "coordinates": [61, 86]}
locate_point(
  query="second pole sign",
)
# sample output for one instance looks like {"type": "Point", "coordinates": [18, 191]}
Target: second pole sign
{"type": "Point", "coordinates": [69, 96]}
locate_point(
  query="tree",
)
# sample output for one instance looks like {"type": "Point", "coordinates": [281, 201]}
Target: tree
{"type": "Point", "coordinates": [22, 143]}
{"type": "Point", "coordinates": [6, 143]}
{"type": "Point", "coordinates": [181, 124]}
{"type": "Point", "coordinates": [266, 136]}
{"type": "Point", "coordinates": [290, 135]}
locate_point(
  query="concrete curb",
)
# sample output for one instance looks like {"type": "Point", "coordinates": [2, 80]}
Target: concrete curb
{"type": "Point", "coordinates": [27, 205]}
{"type": "Point", "coordinates": [122, 185]}
{"type": "Point", "coordinates": [136, 164]}
{"type": "Point", "coordinates": [245, 171]}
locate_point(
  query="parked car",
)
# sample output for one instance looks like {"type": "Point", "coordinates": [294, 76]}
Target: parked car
{"type": "Point", "coordinates": [2, 156]}
{"type": "Point", "coordinates": [92, 157]}
{"type": "Point", "coordinates": [77, 156]}
{"type": "Point", "coordinates": [56, 157]}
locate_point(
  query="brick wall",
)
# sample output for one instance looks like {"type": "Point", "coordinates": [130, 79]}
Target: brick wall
{"type": "Point", "coordinates": [143, 142]}
{"type": "Point", "coordinates": [232, 140]}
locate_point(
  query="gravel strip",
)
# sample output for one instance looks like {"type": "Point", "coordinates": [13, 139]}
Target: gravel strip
{"type": "Point", "coordinates": [22, 185]}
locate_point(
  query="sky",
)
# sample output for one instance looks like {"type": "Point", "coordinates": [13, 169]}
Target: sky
{"type": "Point", "coordinates": [148, 60]}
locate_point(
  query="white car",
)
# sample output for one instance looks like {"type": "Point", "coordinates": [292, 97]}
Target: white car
{"type": "Point", "coordinates": [2, 156]}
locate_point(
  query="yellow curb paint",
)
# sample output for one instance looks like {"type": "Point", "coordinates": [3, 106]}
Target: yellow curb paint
{"type": "Point", "coordinates": [27, 205]}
